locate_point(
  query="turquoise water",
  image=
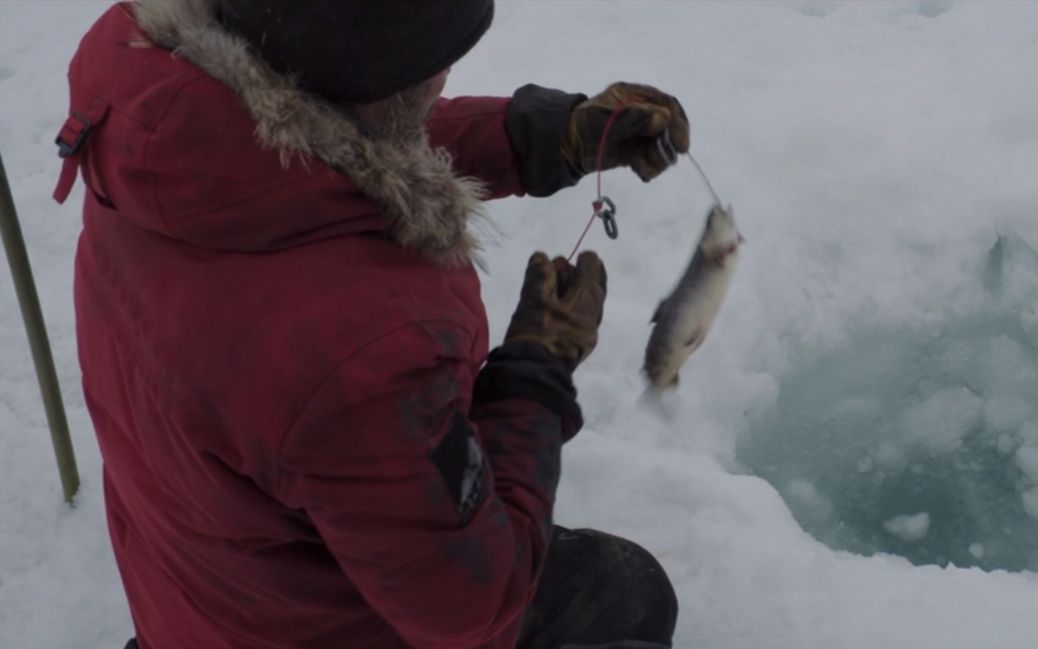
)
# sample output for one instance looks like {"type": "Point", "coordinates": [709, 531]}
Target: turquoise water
{"type": "Point", "coordinates": [918, 443]}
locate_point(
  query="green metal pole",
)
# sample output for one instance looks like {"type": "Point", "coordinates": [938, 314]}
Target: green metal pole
{"type": "Point", "coordinates": [25, 287]}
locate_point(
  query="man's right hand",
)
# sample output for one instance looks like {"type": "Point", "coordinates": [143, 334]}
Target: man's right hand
{"type": "Point", "coordinates": [646, 114]}
{"type": "Point", "coordinates": [561, 306]}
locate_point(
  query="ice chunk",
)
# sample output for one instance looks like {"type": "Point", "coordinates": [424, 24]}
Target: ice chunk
{"type": "Point", "coordinates": [808, 495]}
{"type": "Point", "coordinates": [1012, 268]}
{"type": "Point", "coordinates": [939, 423]}
{"type": "Point", "coordinates": [1027, 460]}
{"type": "Point", "coordinates": [1006, 412]}
{"type": "Point", "coordinates": [1030, 500]}
{"type": "Point", "coordinates": [1028, 433]}
{"type": "Point", "coordinates": [910, 528]}
{"type": "Point", "coordinates": [890, 456]}
{"type": "Point", "coordinates": [1006, 365]}
{"type": "Point", "coordinates": [977, 550]}
{"type": "Point", "coordinates": [1006, 444]}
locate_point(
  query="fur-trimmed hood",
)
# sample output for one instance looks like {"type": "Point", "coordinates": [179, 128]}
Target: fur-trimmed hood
{"type": "Point", "coordinates": [426, 206]}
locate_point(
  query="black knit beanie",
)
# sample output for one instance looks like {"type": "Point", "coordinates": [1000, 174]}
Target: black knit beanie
{"type": "Point", "coordinates": [357, 51]}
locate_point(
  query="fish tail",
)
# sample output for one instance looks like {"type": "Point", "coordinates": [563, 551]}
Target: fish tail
{"type": "Point", "coordinates": [652, 401]}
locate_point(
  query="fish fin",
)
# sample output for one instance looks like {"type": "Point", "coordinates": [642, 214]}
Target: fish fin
{"type": "Point", "coordinates": [694, 341]}
{"type": "Point", "coordinates": [652, 401]}
{"type": "Point", "coordinates": [658, 311]}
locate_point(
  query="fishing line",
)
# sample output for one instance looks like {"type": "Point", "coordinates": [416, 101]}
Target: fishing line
{"type": "Point", "coordinates": [702, 174]}
{"type": "Point", "coordinates": [603, 207]}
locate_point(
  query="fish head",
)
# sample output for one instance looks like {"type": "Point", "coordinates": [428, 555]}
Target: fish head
{"type": "Point", "coordinates": [721, 237]}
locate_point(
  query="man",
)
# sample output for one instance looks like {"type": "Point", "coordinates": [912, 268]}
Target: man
{"type": "Point", "coordinates": [283, 346]}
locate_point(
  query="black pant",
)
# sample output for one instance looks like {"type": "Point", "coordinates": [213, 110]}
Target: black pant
{"type": "Point", "coordinates": [597, 591]}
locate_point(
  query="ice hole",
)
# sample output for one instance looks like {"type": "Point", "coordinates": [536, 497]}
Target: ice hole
{"type": "Point", "coordinates": [922, 444]}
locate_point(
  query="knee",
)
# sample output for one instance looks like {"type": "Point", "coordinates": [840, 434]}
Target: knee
{"type": "Point", "coordinates": [650, 586]}
{"type": "Point", "coordinates": [648, 599]}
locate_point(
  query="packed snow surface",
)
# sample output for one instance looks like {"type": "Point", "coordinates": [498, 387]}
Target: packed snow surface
{"type": "Point", "coordinates": [871, 378]}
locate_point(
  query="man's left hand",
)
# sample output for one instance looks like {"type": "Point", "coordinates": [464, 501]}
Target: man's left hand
{"type": "Point", "coordinates": [649, 131]}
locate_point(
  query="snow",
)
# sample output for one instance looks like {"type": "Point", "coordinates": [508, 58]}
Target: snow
{"type": "Point", "coordinates": [874, 358]}
{"type": "Point", "coordinates": [940, 422]}
{"type": "Point", "coordinates": [1027, 460]}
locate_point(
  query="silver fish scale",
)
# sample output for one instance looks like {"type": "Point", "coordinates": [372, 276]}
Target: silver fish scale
{"type": "Point", "coordinates": [684, 317]}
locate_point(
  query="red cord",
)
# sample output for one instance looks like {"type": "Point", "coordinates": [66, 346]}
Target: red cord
{"type": "Point", "coordinates": [597, 204]}
{"type": "Point", "coordinates": [583, 234]}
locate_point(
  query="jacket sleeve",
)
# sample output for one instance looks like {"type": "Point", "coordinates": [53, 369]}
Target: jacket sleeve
{"type": "Point", "coordinates": [512, 144]}
{"type": "Point", "coordinates": [472, 130]}
{"type": "Point", "coordinates": [437, 508]}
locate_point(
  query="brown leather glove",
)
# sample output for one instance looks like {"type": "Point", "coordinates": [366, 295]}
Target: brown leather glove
{"type": "Point", "coordinates": [646, 136]}
{"type": "Point", "coordinates": [560, 306]}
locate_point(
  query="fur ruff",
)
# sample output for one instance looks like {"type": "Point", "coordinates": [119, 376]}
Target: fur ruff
{"type": "Point", "coordinates": [426, 206]}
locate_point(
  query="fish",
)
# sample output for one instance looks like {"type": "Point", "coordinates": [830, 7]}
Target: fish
{"type": "Point", "coordinates": [683, 318]}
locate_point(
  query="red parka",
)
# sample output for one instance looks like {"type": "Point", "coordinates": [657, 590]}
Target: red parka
{"type": "Point", "coordinates": [302, 445]}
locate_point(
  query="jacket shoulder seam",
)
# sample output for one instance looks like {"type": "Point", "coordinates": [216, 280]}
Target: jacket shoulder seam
{"type": "Point", "coordinates": [152, 176]}
{"type": "Point", "coordinates": [319, 386]}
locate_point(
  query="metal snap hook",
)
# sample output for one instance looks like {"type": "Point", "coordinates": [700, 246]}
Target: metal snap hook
{"type": "Point", "coordinates": [666, 148]}
{"type": "Point", "coordinates": [605, 209]}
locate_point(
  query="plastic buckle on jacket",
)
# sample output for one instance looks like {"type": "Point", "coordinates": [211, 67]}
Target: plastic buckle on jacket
{"type": "Point", "coordinates": [78, 126]}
